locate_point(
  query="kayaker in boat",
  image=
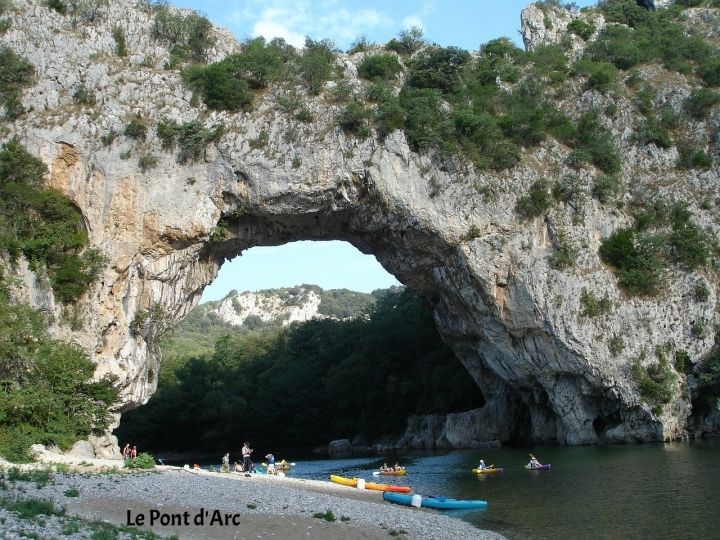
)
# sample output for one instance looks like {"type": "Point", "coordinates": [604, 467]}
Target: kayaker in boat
{"type": "Point", "coordinates": [384, 468]}
{"type": "Point", "coordinates": [534, 462]}
{"type": "Point", "coordinates": [397, 467]}
{"type": "Point", "coordinates": [482, 465]}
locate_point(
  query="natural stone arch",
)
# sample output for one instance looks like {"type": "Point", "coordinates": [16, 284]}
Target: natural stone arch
{"type": "Point", "coordinates": [444, 229]}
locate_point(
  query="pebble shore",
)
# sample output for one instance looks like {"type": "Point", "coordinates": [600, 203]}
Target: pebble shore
{"type": "Point", "coordinates": [265, 507]}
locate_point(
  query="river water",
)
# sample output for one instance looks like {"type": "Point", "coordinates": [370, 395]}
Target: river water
{"type": "Point", "coordinates": [631, 491]}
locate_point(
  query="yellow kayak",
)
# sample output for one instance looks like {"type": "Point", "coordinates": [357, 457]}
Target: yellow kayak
{"type": "Point", "coordinates": [401, 472]}
{"type": "Point", "coordinates": [489, 470]}
{"type": "Point", "coordinates": [352, 482]}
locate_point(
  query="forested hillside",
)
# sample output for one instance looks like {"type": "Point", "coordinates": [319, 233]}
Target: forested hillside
{"type": "Point", "coordinates": [301, 386]}
{"type": "Point", "coordinates": [208, 322]}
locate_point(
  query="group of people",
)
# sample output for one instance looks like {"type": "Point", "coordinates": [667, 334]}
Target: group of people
{"type": "Point", "coordinates": [129, 453]}
{"type": "Point", "coordinates": [395, 467]}
{"type": "Point", "coordinates": [247, 465]}
{"type": "Point", "coordinates": [533, 463]}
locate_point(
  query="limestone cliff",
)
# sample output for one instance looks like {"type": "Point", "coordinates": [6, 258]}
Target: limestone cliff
{"type": "Point", "coordinates": [448, 231]}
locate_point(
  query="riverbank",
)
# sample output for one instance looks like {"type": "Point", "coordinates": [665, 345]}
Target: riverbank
{"type": "Point", "coordinates": [242, 507]}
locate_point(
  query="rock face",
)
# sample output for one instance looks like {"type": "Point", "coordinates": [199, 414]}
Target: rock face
{"type": "Point", "coordinates": [546, 372]}
{"type": "Point", "coordinates": [279, 306]}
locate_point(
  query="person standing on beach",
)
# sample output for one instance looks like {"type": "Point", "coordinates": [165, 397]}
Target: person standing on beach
{"type": "Point", "coordinates": [126, 451]}
{"type": "Point", "coordinates": [133, 452]}
{"type": "Point", "coordinates": [246, 451]}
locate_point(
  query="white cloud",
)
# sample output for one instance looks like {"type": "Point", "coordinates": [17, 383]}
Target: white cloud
{"type": "Point", "coordinates": [416, 19]}
{"type": "Point", "coordinates": [292, 20]}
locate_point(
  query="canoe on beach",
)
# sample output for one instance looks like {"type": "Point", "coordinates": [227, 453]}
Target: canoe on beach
{"type": "Point", "coordinates": [440, 503]}
{"type": "Point", "coordinates": [353, 482]}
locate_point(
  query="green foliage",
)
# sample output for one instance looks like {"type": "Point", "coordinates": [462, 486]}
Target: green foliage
{"type": "Point", "coordinates": [188, 34]}
{"type": "Point", "coordinates": [690, 156]}
{"type": "Point", "coordinates": [601, 76]}
{"type": "Point", "coordinates": [637, 261]}
{"type": "Point", "coordinates": [548, 61]}
{"type": "Point", "coordinates": [616, 345]}
{"type": "Point", "coordinates": [143, 461]}
{"type": "Point", "coordinates": [596, 142]}
{"type": "Point", "coordinates": [5, 25]}
{"type": "Point", "coordinates": [58, 5]}
{"type": "Point", "coordinates": [191, 137]}
{"type": "Point", "coordinates": [83, 96]}
{"type": "Point", "coordinates": [701, 292]}
{"type": "Point", "coordinates": [218, 86]}
{"type": "Point", "coordinates": [379, 66]}
{"type": "Point", "coordinates": [700, 102]}
{"type": "Point", "coordinates": [147, 162]}
{"type": "Point", "coordinates": [536, 202]}
{"type": "Point", "coordinates": [120, 43]}
{"type": "Point", "coordinates": [361, 44]}
{"type": "Point", "coordinates": [652, 131]}
{"type": "Point", "coordinates": [606, 188]}
{"type": "Point", "coordinates": [253, 381]}
{"type": "Point", "coordinates": [593, 306]}
{"type": "Point", "coordinates": [316, 64]}
{"type": "Point", "coordinates": [656, 382]}
{"type": "Point", "coordinates": [43, 225]}
{"type": "Point", "coordinates": [425, 124]}
{"type": "Point", "coordinates": [260, 63]}
{"type": "Point", "coordinates": [15, 74]}
{"type": "Point", "coordinates": [563, 255]}
{"type": "Point", "coordinates": [709, 388]}
{"type": "Point", "coordinates": [408, 42]}
{"type": "Point", "coordinates": [353, 119]}
{"type": "Point", "coordinates": [437, 68]}
{"type": "Point", "coordinates": [327, 515]}
{"type": "Point", "coordinates": [581, 28]}
{"type": "Point", "coordinates": [109, 137]}
{"type": "Point", "coordinates": [47, 393]}
{"type": "Point", "coordinates": [30, 508]}
{"type": "Point", "coordinates": [136, 129]}
{"type": "Point", "coordinates": [698, 330]}
{"type": "Point", "coordinates": [72, 492]}
{"type": "Point", "coordinates": [664, 234]}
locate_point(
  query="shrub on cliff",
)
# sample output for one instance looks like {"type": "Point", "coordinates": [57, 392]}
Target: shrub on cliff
{"type": "Point", "coordinates": [379, 66]}
{"type": "Point", "coordinates": [48, 394]}
{"type": "Point", "coordinates": [218, 86]}
{"type": "Point", "coordinates": [44, 225]}
{"type": "Point", "coordinates": [315, 66]}
{"type": "Point", "coordinates": [536, 202]}
{"type": "Point", "coordinates": [15, 74]}
{"type": "Point", "coordinates": [188, 34]}
{"type": "Point", "coordinates": [408, 42]}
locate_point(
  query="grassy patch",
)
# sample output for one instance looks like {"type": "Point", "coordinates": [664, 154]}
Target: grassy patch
{"type": "Point", "coordinates": [327, 515]}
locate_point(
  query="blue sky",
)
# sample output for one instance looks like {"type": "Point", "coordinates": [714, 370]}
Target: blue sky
{"type": "Point", "coordinates": [467, 24]}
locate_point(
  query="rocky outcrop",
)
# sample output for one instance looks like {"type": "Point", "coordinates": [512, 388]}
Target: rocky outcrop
{"type": "Point", "coordinates": [235, 308]}
{"type": "Point", "coordinates": [449, 232]}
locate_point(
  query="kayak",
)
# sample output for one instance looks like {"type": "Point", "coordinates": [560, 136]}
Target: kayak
{"type": "Point", "coordinates": [545, 467]}
{"type": "Point", "coordinates": [401, 472]}
{"type": "Point", "coordinates": [492, 470]}
{"type": "Point", "coordinates": [387, 487]}
{"type": "Point", "coordinates": [352, 482]}
{"type": "Point", "coordinates": [441, 503]}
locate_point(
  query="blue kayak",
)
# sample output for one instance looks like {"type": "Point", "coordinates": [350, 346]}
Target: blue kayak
{"type": "Point", "coordinates": [442, 503]}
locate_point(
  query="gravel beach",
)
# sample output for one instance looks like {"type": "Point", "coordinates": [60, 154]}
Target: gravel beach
{"type": "Point", "coordinates": [232, 506]}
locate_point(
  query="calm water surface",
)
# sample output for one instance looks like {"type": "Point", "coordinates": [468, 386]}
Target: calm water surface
{"type": "Point", "coordinates": [640, 491]}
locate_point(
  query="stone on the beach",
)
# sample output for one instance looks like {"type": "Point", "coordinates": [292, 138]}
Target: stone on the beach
{"type": "Point", "coordinates": [82, 449]}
